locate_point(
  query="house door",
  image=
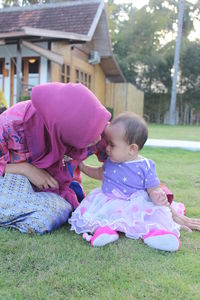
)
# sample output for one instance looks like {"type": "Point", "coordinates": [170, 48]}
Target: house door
{"type": "Point", "coordinates": [2, 64]}
{"type": "Point", "coordinates": [30, 77]}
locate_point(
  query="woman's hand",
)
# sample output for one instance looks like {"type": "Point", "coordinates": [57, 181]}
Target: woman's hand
{"type": "Point", "coordinates": [159, 197]}
{"type": "Point", "coordinates": [187, 224]}
{"type": "Point", "coordinates": [38, 177]}
{"type": "Point", "coordinates": [41, 178]}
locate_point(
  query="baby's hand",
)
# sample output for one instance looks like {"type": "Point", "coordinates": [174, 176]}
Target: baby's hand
{"type": "Point", "coordinates": [81, 166]}
{"type": "Point", "coordinates": [158, 196]}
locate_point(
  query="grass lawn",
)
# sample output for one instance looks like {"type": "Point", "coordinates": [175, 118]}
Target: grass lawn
{"type": "Point", "coordinates": [188, 133]}
{"type": "Point", "coordinates": [62, 265]}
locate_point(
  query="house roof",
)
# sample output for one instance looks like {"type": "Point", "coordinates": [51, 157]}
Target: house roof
{"type": "Point", "coordinates": [76, 17]}
{"type": "Point", "coordinates": [74, 21]}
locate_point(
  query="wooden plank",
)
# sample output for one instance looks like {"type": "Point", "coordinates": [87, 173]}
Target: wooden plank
{"type": "Point", "coordinates": [56, 34]}
{"type": "Point", "coordinates": [44, 52]}
{"type": "Point", "coordinates": [96, 19]}
{"type": "Point", "coordinates": [12, 34]}
{"type": "Point", "coordinates": [124, 97]}
{"type": "Point", "coordinates": [19, 70]}
{"type": "Point", "coordinates": [11, 83]}
{"type": "Point", "coordinates": [25, 77]}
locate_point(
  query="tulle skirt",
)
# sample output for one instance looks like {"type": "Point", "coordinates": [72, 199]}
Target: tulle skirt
{"type": "Point", "coordinates": [135, 216]}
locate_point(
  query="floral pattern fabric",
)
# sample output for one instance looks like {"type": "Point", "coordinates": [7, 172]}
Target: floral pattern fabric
{"type": "Point", "coordinates": [13, 147]}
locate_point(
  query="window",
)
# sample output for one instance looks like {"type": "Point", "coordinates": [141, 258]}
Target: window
{"type": "Point", "coordinates": [65, 75]}
{"type": "Point", "coordinates": [89, 81]}
{"type": "Point", "coordinates": [82, 81]}
{"type": "Point", "coordinates": [33, 71]}
{"type": "Point", "coordinates": [30, 68]}
{"type": "Point", "coordinates": [33, 66]}
{"type": "Point", "coordinates": [1, 67]}
{"type": "Point", "coordinates": [77, 76]}
{"type": "Point", "coordinates": [84, 78]}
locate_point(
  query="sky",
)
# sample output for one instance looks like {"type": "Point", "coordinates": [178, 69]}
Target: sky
{"type": "Point", "coordinates": [136, 3]}
{"type": "Point", "coordinates": [140, 3]}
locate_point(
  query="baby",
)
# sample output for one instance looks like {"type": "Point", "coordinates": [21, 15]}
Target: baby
{"type": "Point", "coordinates": [130, 199]}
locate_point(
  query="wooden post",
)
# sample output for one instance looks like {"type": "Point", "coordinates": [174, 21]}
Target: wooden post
{"type": "Point", "coordinates": [19, 70]}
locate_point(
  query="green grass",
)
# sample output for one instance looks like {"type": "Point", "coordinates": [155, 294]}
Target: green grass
{"type": "Point", "coordinates": [61, 265]}
{"type": "Point", "coordinates": [188, 133]}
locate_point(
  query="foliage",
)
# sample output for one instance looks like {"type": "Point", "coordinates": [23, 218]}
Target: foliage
{"type": "Point", "coordinates": [144, 48]}
{"type": "Point", "coordinates": [24, 98]}
{"type": "Point", "coordinates": [7, 3]}
{"type": "Point", "coordinates": [190, 69]}
{"type": "Point", "coordinates": [116, 13]}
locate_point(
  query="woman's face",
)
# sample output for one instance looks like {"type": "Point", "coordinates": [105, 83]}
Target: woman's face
{"type": "Point", "coordinates": [95, 142]}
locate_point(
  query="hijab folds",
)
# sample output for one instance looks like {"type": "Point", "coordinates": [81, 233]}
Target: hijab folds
{"type": "Point", "coordinates": [62, 119]}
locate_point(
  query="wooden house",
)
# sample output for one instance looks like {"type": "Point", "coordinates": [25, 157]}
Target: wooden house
{"type": "Point", "coordinates": [62, 42]}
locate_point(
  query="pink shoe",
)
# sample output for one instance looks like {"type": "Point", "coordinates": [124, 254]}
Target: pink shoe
{"type": "Point", "coordinates": [102, 236]}
{"type": "Point", "coordinates": [162, 240]}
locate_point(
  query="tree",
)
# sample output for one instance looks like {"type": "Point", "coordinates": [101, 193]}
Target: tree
{"type": "Point", "coordinates": [145, 52]}
{"type": "Point", "coordinates": [7, 3]}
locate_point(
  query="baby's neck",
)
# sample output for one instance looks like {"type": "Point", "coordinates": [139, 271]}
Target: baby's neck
{"type": "Point", "coordinates": [134, 157]}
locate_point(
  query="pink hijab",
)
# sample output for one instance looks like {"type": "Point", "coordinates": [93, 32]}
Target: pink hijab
{"type": "Point", "coordinates": [62, 119]}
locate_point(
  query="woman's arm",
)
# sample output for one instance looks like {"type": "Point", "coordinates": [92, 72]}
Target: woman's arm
{"type": "Point", "coordinates": [159, 197]}
{"type": "Point", "coordinates": [94, 172]}
{"type": "Point", "coordinates": [187, 224]}
{"type": "Point", "coordinates": [39, 177]}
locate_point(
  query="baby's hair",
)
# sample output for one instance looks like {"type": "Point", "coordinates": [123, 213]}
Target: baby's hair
{"type": "Point", "coordinates": [136, 131]}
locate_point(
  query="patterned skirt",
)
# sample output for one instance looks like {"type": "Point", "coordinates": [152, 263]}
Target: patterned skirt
{"type": "Point", "coordinates": [135, 216]}
{"type": "Point", "coordinates": [29, 211]}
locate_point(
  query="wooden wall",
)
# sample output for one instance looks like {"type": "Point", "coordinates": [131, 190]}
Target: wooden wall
{"type": "Point", "coordinates": [119, 96]}
{"type": "Point", "coordinates": [77, 58]}
{"type": "Point", "coordinates": [99, 84]}
{"type": "Point", "coordinates": [124, 97]}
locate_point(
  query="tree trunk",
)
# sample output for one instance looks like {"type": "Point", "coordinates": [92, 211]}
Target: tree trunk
{"type": "Point", "coordinates": [185, 119]}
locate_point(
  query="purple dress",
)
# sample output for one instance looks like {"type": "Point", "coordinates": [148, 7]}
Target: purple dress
{"type": "Point", "coordinates": [122, 202]}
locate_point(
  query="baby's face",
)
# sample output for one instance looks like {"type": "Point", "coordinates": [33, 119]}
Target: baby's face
{"type": "Point", "coordinates": [117, 148]}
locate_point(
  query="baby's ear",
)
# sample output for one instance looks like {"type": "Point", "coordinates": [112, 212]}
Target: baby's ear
{"type": "Point", "coordinates": [134, 148]}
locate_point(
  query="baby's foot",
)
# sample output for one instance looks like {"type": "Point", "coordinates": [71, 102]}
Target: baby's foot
{"type": "Point", "coordinates": [162, 240]}
{"type": "Point", "coordinates": [102, 236]}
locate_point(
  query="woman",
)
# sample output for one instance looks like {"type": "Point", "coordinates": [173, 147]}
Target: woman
{"type": "Point", "coordinates": [60, 120]}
